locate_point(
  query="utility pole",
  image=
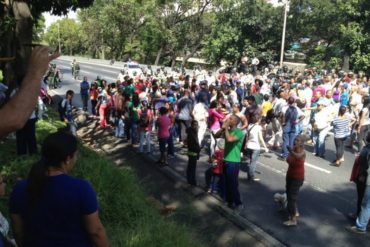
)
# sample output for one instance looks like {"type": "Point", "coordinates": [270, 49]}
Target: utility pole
{"type": "Point", "coordinates": [60, 50]}
{"type": "Point", "coordinates": [286, 9]}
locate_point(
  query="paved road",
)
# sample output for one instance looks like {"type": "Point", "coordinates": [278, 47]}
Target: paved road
{"type": "Point", "coordinates": [324, 201]}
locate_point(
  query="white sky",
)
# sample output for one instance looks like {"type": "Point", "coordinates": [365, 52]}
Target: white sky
{"type": "Point", "coordinates": [49, 19]}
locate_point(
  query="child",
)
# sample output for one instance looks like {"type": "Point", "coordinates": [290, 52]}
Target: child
{"type": "Point", "coordinates": [193, 152]}
{"type": "Point", "coordinates": [164, 125]}
{"type": "Point", "coordinates": [145, 126]}
{"type": "Point", "coordinates": [213, 174]}
{"type": "Point", "coordinates": [120, 126]}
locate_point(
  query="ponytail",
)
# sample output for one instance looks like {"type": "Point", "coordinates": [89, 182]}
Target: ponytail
{"type": "Point", "coordinates": [57, 147]}
{"type": "Point", "coordinates": [37, 179]}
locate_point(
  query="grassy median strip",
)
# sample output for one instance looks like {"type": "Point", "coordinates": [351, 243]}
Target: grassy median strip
{"type": "Point", "coordinates": [129, 218]}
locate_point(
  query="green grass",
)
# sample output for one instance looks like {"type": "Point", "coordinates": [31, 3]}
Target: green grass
{"type": "Point", "coordinates": [126, 213]}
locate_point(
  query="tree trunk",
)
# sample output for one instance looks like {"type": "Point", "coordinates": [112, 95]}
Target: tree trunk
{"type": "Point", "coordinates": [173, 60]}
{"type": "Point", "coordinates": [15, 70]}
{"type": "Point", "coordinates": [159, 54]}
{"type": "Point", "coordinates": [345, 66]}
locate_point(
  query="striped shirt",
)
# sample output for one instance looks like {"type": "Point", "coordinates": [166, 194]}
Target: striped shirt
{"type": "Point", "coordinates": [341, 126]}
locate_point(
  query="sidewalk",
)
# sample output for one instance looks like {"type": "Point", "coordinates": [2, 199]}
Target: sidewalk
{"type": "Point", "coordinates": [208, 216]}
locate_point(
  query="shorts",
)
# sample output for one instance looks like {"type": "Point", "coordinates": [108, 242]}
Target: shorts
{"type": "Point", "coordinates": [162, 144]}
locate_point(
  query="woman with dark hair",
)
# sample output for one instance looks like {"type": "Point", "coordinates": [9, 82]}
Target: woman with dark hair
{"type": "Point", "coordinates": [51, 208]}
{"type": "Point", "coordinates": [363, 122]}
{"type": "Point", "coordinates": [134, 108]}
{"type": "Point", "coordinates": [294, 178]}
{"type": "Point", "coordinates": [342, 129]}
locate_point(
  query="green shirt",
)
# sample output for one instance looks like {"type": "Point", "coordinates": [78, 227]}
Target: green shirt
{"type": "Point", "coordinates": [130, 90]}
{"type": "Point", "coordinates": [233, 149]}
{"type": "Point", "coordinates": [259, 98]}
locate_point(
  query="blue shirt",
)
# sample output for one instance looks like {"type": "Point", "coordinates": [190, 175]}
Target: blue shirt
{"type": "Point", "coordinates": [57, 220]}
{"type": "Point", "coordinates": [84, 88]}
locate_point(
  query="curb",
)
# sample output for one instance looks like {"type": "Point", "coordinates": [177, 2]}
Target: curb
{"type": "Point", "coordinates": [216, 204]}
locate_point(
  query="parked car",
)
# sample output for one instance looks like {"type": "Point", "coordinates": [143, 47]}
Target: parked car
{"type": "Point", "coordinates": [132, 69]}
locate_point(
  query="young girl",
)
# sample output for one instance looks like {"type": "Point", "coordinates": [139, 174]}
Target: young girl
{"type": "Point", "coordinates": [294, 178]}
{"type": "Point", "coordinates": [214, 173]}
{"type": "Point", "coordinates": [164, 125]}
{"type": "Point", "coordinates": [145, 126]}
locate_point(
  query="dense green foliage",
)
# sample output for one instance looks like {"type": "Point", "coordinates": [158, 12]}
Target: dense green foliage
{"type": "Point", "coordinates": [336, 31]}
{"type": "Point", "coordinates": [128, 217]}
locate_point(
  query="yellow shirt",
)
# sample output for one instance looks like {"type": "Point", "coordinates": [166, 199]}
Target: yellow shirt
{"type": "Point", "coordinates": [266, 106]}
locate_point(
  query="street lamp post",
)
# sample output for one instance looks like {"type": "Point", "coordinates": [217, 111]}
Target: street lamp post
{"type": "Point", "coordinates": [59, 48]}
{"type": "Point", "coordinates": [286, 9]}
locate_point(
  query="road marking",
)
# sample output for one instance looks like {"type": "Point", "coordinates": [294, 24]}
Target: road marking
{"type": "Point", "coordinates": [317, 168]}
{"type": "Point", "coordinates": [309, 165]}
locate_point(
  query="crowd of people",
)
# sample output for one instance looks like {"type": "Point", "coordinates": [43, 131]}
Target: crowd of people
{"type": "Point", "coordinates": [230, 118]}
{"type": "Point", "coordinates": [235, 116]}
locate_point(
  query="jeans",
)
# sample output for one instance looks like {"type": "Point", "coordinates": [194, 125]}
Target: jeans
{"type": "Point", "coordinates": [212, 180]}
{"type": "Point", "coordinates": [184, 125]}
{"type": "Point", "coordinates": [85, 99]}
{"type": "Point", "coordinates": [145, 136]}
{"type": "Point", "coordinates": [232, 183]}
{"type": "Point", "coordinates": [361, 136]}
{"type": "Point", "coordinates": [120, 128]}
{"type": "Point", "coordinates": [319, 138]}
{"type": "Point", "coordinates": [94, 102]}
{"type": "Point", "coordinates": [72, 127]}
{"type": "Point", "coordinates": [288, 139]}
{"type": "Point", "coordinates": [363, 218]}
{"type": "Point", "coordinates": [26, 138]}
{"type": "Point", "coordinates": [360, 186]}
{"type": "Point", "coordinates": [134, 132]}
{"type": "Point", "coordinates": [253, 156]}
{"type": "Point", "coordinates": [191, 170]}
{"type": "Point", "coordinates": [339, 146]}
{"type": "Point", "coordinates": [171, 145]}
{"type": "Point", "coordinates": [292, 189]}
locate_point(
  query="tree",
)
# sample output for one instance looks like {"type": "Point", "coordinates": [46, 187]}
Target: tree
{"type": "Point", "coordinates": [17, 19]}
{"type": "Point", "coordinates": [244, 28]}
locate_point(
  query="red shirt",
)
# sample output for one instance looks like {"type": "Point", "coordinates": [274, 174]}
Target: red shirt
{"type": "Point", "coordinates": [296, 168]}
{"type": "Point", "coordinates": [219, 156]}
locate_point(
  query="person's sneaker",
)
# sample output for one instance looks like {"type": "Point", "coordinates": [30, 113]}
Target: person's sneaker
{"type": "Point", "coordinates": [355, 229]}
{"type": "Point", "coordinates": [255, 179]}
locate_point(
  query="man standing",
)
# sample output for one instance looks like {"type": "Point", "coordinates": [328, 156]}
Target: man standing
{"type": "Point", "coordinates": [84, 91]}
{"type": "Point", "coordinates": [289, 122]}
{"type": "Point", "coordinates": [185, 109]}
{"type": "Point", "coordinates": [233, 145]}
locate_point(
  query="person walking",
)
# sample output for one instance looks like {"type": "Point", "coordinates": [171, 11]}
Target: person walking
{"type": "Point", "coordinates": [289, 126]}
{"type": "Point", "coordinates": [342, 128]}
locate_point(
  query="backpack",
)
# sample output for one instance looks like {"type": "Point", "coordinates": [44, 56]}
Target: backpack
{"type": "Point", "coordinates": [144, 119]}
{"type": "Point", "coordinates": [62, 109]}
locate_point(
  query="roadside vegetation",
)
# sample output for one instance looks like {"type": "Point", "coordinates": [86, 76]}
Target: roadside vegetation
{"type": "Point", "coordinates": [129, 218]}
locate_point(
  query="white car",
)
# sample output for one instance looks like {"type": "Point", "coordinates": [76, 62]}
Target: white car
{"type": "Point", "coordinates": [132, 69]}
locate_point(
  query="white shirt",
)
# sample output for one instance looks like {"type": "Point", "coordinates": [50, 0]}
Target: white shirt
{"type": "Point", "coordinates": [253, 132]}
{"type": "Point", "coordinates": [200, 112]}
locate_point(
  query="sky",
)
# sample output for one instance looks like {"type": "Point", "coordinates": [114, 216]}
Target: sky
{"type": "Point", "coordinates": [49, 19]}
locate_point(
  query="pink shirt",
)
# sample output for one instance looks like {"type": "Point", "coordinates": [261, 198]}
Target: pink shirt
{"type": "Point", "coordinates": [215, 118]}
{"type": "Point", "coordinates": [164, 124]}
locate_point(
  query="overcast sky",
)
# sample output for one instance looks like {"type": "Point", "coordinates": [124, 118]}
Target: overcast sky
{"type": "Point", "coordinates": [49, 19]}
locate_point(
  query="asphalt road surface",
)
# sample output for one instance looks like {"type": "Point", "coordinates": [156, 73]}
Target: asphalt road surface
{"type": "Point", "coordinates": [325, 199]}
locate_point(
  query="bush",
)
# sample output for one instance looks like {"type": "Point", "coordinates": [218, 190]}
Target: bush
{"type": "Point", "coordinates": [127, 215]}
